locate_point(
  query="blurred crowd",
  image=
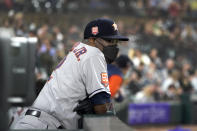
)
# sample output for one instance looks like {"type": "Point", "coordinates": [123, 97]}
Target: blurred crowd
{"type": "Point", "coordinates": [172, 8]}
{"type": "Point", "coordinates": [162, 51]}
{"type": "Point", "coordinates": [152, 79]}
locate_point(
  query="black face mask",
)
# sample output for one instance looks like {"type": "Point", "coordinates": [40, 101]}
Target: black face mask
{"type": "Point", "coordinates": [110, 53]}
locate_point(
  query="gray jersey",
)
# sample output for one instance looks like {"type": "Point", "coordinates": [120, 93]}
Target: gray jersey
{"type": "Point", "coordinates": [83, 69]}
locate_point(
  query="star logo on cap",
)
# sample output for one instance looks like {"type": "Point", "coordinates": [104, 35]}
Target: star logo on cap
{"type": "Point", "coordinates": [95, 30]}
{"type": "Point", "coordinates": [115, 26]}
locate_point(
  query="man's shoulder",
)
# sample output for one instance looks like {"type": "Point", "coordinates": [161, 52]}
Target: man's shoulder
{"type": "Point", "coordinates": [92, 51]}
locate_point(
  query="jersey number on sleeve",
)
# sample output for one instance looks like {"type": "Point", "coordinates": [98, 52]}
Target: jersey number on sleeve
{"type": "Point", "coordinates": [79, 52]}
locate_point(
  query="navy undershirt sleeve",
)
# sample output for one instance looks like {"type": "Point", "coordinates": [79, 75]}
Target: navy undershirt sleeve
{"type": "Point", "coordinates": [100, 98]}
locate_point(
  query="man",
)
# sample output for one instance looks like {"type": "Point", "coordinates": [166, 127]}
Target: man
{"type": "Point", "coordinates": [116, 72]}
{"type": "Point", "coordinates": [80, 78]}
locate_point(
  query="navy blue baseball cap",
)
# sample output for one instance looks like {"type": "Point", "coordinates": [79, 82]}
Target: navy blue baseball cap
{"type": "Point", "coordinates": [103, 28]}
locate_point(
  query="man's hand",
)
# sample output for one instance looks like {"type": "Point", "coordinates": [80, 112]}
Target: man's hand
{"type": "Point", "coordinates": [100, 109]}
{"type": "Point", "coordinates": [84, 107]}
